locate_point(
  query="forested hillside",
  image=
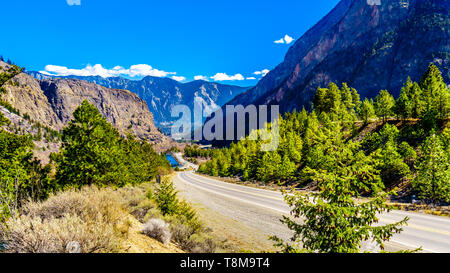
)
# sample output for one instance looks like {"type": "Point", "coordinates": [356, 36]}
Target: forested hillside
{"type": "Point", "coordinates": [390, 142]}
{"type": "Point", "coordinates": [371, 47]}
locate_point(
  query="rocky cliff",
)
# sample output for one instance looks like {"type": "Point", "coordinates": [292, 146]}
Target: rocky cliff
{"type": "Point", "coordinates": [51, 102]}
{"type": "Point", "coordinates": [369, 46]}
{"type": "Point", "coordinates": [161, 94]}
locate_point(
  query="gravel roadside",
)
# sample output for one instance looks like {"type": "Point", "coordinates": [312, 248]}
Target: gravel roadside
{"type": "Point", "coordinates": [243, 226]}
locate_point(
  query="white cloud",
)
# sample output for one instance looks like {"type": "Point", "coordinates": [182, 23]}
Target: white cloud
{"type": "Point", "coordinates": [224, 77]}
{"type": "Point", "coordinates": [262, 72]}
{"type": "Point", "coordinates": [286, 40]}
{"type": "Point", "coordinates": [138, 70]}
{"type": "Point", "coordinates": [73, 2]}
{"type": "Point", "coordinates": [178, 78]}
{"type": "Point", "coordinates": [200, 78]}
{"type": "Point", "coordinates": [251, 78]}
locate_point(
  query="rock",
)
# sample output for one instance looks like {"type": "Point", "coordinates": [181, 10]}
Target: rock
{"type": "Point", "coordinates": [51, 102]}
{"type": "Point", "coordinates": [73, 247]}
{"type": "Point", "coordinates": [161, 94]}
{"type": "Point", "coordinates": [371, 47]}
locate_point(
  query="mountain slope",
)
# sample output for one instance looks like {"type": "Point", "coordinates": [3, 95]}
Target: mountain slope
{"type": "Point", "coordinates": [161, 94]}
{"type": "Point", "coordinates": [51, 102]}
{"type": "Point", "coordinates": [371, 47]}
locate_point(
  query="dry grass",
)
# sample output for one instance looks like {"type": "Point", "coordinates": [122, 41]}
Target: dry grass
{"type": "Point", "coordinates": [96, 219]}
{"type": "Point", "coordinates": [52, 235]}
{"type": "Point", "coordinates": [92, 217]}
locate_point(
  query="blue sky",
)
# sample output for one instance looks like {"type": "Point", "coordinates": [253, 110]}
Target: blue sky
{"type": "Point", "coordinates": [225, 41]}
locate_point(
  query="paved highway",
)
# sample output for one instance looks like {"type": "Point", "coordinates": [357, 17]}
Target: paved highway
{"type": "Point", "coordinates": [432, 233]}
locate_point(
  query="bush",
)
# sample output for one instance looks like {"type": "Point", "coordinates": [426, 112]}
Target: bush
{"type": "Point", "coordinates": [91, 217]}
{"type": "Point", "coordinates": [157, 229]}
{"type": "Point", "coordinates": [29, 234]}
{"type": "Point", "coordinates": [191, 240]}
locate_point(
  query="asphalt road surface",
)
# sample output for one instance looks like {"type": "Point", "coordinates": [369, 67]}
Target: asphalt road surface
{"type": "Point", "coordinates": [262, 208]}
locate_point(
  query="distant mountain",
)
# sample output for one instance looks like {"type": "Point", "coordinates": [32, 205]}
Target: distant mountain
{"type": "Point", "coordinates": [371, 47]}
{"type": "Point", "coordinates": [161, 94]}
{"type": "Point", "coordinates": [51, 102]}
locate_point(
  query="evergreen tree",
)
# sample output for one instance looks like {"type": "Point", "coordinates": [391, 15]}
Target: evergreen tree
{"type": "Point", "coordinates": [391, 165]}
{"type": "Point", "coordinates": [333, 221]}
{"type": "Point", "coordinates": [403, 105]}
{"type": "Point", "coordinates": [366, 111]}
{"type": "Point", "coordinates": [334, 100]}
{"type": "Point", "coordinates": [384, 105]}
{"type": "Point", "coordinates": [166, 197]}
{"type": "Point", "coordinates": [417, 101]}
{"type": "Point", "coordinates": [355, 98]}
{"type": "Point", "coordinates": [91, 152]}
{"type": "Point", "coordinates": [407, 152]}
{"type": "Point", "coordinates": [286, 169]}
{"type": "Point", "coordinates": [435, 92]}
{"type": "Point", "coordinates": [433, 171]}
{"type": "Point", "coordinates": [320, 100]}
{"type": "Point", "coordinates": [21, 176]}
{"type": "Point", "coordinates": [347, 98]}
{"type": "Point", "coordinates": [269, 167]}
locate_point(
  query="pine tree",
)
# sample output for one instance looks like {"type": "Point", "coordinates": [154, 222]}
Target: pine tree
{"type": "Point", "coordinates": [417, 101]}
{"type": "Point", "coordinates": [334, 100]}
{"type": "Point", "coordinates": [295, 146]}
{"type": "Point", "coordinates": [347, 98]}
{"type": "Point", "coordinates": [286, 169]}
{"type": "Point", "coordinates": [320, 103]}
{"type": "Point", "coordinates": [91, 152]}
{"type": "Point", "coordinates": [435, 92]}
{"type": "Point", "coordinates": [166, 197]}
{"type": "Point", "coordinates": [391, 165]}
{"type": "Point", "coordinates": [403, 105]}
{"type": "Point", "coordinates": [366, 111]}
{"type": "Point", "coordinates": [333, 222]}
{"type": "Point", "coordinates": [433, 171]}
{"type": "Point", "coordinates": [355, 98]}
{"type": "Point", "coordinates": [269, 166]}
{"type": "Point", "coordinates": [384, 104]}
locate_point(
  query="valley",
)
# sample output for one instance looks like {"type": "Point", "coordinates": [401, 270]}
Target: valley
{"type": "Point", "coordinates": [355, 157]}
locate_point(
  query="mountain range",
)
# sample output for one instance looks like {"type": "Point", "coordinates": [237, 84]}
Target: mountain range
{"type": "Point", "coordinates": [51, 102]}
{"type": "Point", "coordinates": [371, 46]}
{"type": "Point", "coordinates": [161, 94]}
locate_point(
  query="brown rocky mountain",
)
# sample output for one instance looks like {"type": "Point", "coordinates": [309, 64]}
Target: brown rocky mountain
{"type": "Point", "coordinates": [371, 45]}
{"type": "Point", "coordinates": [51, 102]}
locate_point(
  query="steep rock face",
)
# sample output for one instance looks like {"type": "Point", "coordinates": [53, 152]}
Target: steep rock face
{"type": "Point", "coordinates": [52, 102]}
{"type": "Point", "coordinates": [371, 47]}
{"type": "Point", "coordinates": [161, 94]}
